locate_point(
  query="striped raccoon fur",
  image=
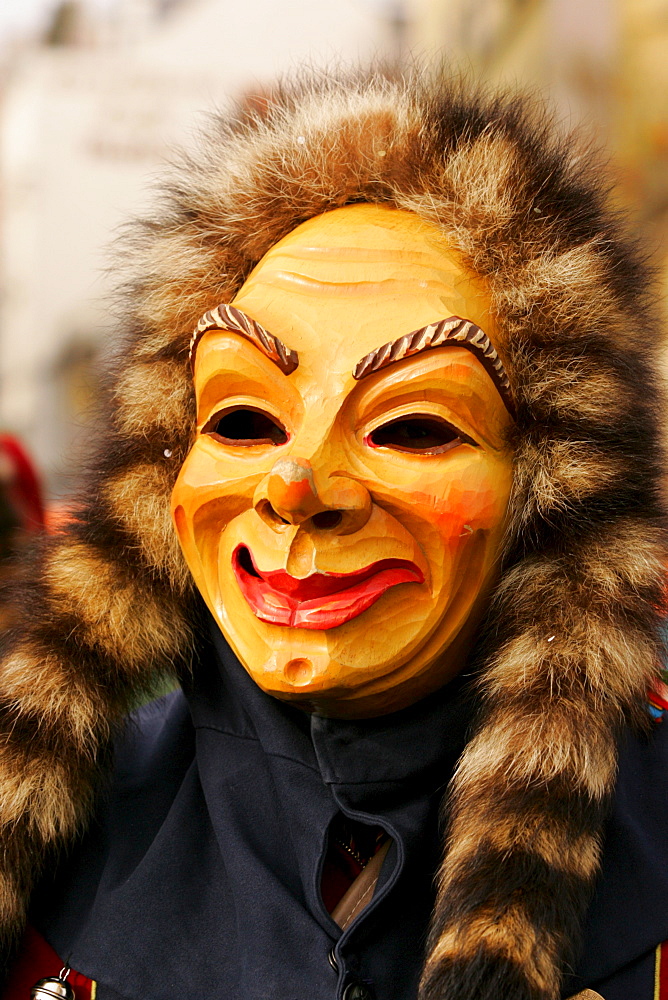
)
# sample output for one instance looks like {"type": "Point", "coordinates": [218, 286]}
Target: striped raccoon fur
{"type": "Point", "coordinates": [571, 639]}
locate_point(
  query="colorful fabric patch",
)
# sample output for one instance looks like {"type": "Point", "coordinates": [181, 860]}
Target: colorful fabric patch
{"type": "Point", "coordinates": [658, 697]}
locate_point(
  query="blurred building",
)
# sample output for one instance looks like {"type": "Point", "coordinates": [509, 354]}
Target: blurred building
{"type": "Point", "coordinates": [87, 115]}
{"type": "Point", "coordinates": [602, 63]}
{"type": "Point", "coordinates": [640, 120]}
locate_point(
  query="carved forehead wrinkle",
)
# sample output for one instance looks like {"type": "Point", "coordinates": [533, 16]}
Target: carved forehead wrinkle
{"type": "Point", "coordinates": [359, 271]}
{"type": "Point", "coordinates": [358, 277]}
{"type": "Point", "coordinates": [346, 240]}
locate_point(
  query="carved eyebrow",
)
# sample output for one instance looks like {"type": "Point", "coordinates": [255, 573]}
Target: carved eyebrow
{"type": "Point", "coordinates": [453, 330]}
{"type": "Point", "coordinates": [225, 317]}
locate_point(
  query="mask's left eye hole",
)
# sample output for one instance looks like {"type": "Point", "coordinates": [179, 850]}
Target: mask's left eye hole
{"type": "Point", "coordinates": [244, 426]}
{"type": "Point", "coordinates": [420, 435]}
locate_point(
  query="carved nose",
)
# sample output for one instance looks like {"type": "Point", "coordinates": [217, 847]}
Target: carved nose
{"type": "Point", "coordinates": [290, 495]}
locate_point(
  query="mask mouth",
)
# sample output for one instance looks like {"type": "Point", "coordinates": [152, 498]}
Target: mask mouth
{"type": "Point", "coordinates": [320, 600]}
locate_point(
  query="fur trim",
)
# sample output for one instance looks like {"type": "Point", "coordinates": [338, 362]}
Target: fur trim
{"type": "Point", "coordinates": [571, 640]}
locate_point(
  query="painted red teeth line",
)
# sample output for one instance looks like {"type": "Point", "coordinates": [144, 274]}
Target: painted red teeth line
{"type": "Point", "coordinates": [322, 600]}
{"type": "Point", "coordinates": [318, 585]}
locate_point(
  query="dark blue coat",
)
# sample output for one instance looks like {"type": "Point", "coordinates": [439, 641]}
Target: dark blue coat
{"type": "Point", "coordinates": [200, 875]}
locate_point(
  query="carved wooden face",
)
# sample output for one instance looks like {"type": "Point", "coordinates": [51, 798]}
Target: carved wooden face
{"type": "Point", "coordinates": [345, 533]}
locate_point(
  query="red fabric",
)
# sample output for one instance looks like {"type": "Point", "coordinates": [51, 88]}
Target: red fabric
{"type": "Point", "coordinates": [661, 987]}
{"type": "Point", "coordinates": [658, 693]}
{"type": "Point", "coordinates": [341, 868]}
{"type": "Point", "coordinates": [22, 485]}
{"type": "Point", "coordinates": [339, 872]}
{"type": "Point", "coordinates": [37, 960]}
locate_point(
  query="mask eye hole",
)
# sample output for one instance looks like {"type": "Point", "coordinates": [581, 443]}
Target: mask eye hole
{"type": "Point", "coordinates": [244, 426]}
{"type": "Point", "coordinates": [419, 435]}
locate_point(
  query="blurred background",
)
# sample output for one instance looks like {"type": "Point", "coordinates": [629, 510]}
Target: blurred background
{"type": "Point", "coordinates": [95, 93]}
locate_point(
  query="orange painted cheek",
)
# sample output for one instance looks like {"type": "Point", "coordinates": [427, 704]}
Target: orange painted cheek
{"type": "Point", "coordinates": [474, 497]}
{"type": "Point", "coordinates": [449, 514]}
{"type": "Point", "coordinates": [468, 510]}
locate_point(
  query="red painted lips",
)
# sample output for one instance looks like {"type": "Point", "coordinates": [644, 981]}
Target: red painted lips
{"type": "Point", "coordinates": [321, 600]}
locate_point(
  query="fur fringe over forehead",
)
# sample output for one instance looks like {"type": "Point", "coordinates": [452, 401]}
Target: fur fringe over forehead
{"type": "Point", "coordinates": [571, 640]}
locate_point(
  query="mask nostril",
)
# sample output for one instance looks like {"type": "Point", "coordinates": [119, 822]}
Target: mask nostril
{"type": "Point", "coordinates": [327, 519]}
{"type": "Point", "coordinates": [268, 514]}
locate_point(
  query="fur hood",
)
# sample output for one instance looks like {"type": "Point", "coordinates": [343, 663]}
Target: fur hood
{"type": "Point", "coordinates": [571, 640]}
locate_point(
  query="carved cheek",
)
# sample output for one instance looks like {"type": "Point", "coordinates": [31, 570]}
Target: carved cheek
{"type": "Point", "coordinates": [209, 493]}
{"type": "Point", "coordinates": [206, 477]}
{"type": "Point", "coordinates": [465, 502]}
{"type": "Point", "coordinates": [471, 504]}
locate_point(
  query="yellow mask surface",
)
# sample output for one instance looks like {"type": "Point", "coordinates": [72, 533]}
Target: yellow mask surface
{"type": "Point", "coordinates": [345, 534]}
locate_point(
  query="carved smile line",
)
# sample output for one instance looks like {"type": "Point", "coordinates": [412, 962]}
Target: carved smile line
{"type": "Point", "coordinates": [321, 600]}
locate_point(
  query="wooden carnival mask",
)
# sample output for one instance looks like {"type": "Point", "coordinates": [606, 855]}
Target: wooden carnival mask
{"type": "Point", "coordinates": [342, 507]}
